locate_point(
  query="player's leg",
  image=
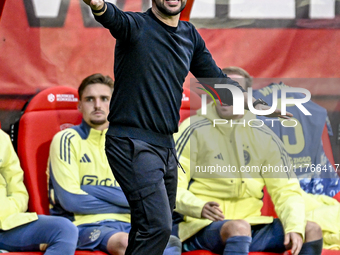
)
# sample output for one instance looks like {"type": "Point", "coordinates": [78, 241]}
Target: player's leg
{"type": "Point", "coordinates": [174, 246]}
{"type": "Point", "coordinates": [108, 236]}
{"type": "Point", "coordinates": [313, 240]}
{"type": "Point", "coordinates": [270, 238]}
{"type": "Point", "coordinates": [222, 237]}
{"type": "Point", "coordinates": [56, 235]}
{"type": "Point", "coordinates": [236, 234]}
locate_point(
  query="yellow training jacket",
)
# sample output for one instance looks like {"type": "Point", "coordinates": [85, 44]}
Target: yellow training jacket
{"type": "Point", "coordinates": [325, 211]}
{"type": "Point", "coordinates": [13, 194]}
{"type": "Point", "coordinates": [218, 162]}
{"type": "Point", "coordinates": [82, 187]}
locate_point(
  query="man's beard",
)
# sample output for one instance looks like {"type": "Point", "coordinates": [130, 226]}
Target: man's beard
{"type": "Point", "coordinates": [163, 10]}
{"type": "Point", "coordinates": [98, 122]}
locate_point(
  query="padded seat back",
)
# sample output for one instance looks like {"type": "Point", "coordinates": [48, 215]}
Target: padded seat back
{"type": "Point", "coordinates": [50, 111]}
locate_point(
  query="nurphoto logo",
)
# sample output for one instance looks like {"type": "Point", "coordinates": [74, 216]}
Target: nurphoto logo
{"type": "Point", "coordinates": [238, 100]}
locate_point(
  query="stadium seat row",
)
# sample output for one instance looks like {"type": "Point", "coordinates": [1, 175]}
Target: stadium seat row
{"type": "Point", "coordinates": [55, 109]}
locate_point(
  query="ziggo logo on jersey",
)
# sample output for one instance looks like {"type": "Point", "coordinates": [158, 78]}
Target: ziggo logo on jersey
{"type": "Point", "coordinates": [94, 180]}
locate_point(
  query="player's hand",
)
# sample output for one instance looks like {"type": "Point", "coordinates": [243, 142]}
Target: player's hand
{"type": "Point", "coordinates": [276, 113]}
{"type": "Point", "coordinates": [94, 4]}
{"type": "Point", "coordinates": [293, 241]}
{"type": "Point", "coordinates": [212, 211]}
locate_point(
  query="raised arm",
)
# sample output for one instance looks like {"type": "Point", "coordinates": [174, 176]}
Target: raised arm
{"type": "Point", "coordinates": [123, 26]}
{"type": "Point", "coordinates": [204, 68]}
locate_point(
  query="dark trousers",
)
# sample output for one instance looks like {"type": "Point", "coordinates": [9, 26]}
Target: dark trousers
{"type": "Point", "coordinates": [58, 233]}
{"type": "Point", "coordinates": [147, 175]}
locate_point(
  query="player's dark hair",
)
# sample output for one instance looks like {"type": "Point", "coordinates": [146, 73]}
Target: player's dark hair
{"type": "Point", "coordinates": [92, 79]}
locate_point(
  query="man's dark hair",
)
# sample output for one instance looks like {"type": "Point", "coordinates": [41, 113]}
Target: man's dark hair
{"type": "Point", "coordinates": [92, 79]}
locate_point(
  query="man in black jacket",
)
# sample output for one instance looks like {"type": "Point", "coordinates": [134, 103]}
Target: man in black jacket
{"type": "Point", "coordinates": [153, 55]}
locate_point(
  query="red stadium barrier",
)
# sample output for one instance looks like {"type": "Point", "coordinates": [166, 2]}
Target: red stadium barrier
{"type": "Point", "coordinates": [76, 253]}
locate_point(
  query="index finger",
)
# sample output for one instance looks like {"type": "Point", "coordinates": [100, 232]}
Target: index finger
{"type": "Point", "coordinates": [294, 244]}
{"type": "Point", "coordinates": [218, 208]}
{"type": "Point", "coordinates": [285, 117]}
{"type": "Point", "coordinates": [289, 114]}
{"type": "Point", "coordinates": [279, 114]}
{"type": "Point", "coordinates": [299, 246]}
{"type": "Point", "coordinates": [218, 213]}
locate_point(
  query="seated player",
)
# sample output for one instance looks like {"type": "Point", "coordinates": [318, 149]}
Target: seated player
{"type": "Point", "coordinates": [228, 162]}
{"type": "Point", "coordinates": [81, 184]}
{"type": "Point", "coordinates": [21, 230]}
{"type": "Point", "coordinates": [320, 186]}
{"type": "Point", "coordinates": [302, 142]}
